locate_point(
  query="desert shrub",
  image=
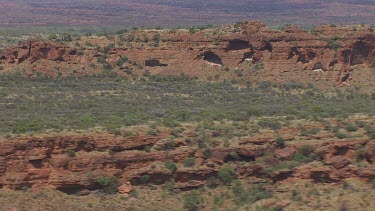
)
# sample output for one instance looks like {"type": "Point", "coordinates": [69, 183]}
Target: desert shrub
{"type": "Point", "coordinates": [370, 131]}
{"type": "Point", "coordinates": [190, 161]}
{"type": "Point", "coordinates": [122, 31]}
{"type": "Point", "coordinates": [238, 73]}
{"type": "Point", "coordinates": [269, 123]}
{"type": "Point", "coordinates": [101, 59]}
{"type": "Point", "coordinates": [193, 201]}
{"type": "Point", "coordinates": [373, 183]}
{"type": "Point", "coordinates": [171, 166]}
{"type": "Point", "coordinates": [89, 44]}
{"type": "Point", "coordinates": [1, 68]}
{"type": "Point", "coordinates": [192, 30]}
{"type": "Point", "coordinates": [291, 86]}
{"type": "Point", "coordinates": [107, 66]}
{"type": "Point", "coordinates": [243, 196]}
{"type": "Point", "coordinates": [332, 43]}
{"type": "Point", "coordinates": [280, 142]}
{"type": "Point", "coordinates": [258, 66]}
{"type": "Point", "coordinates": [130, 38]}
{"type": "Point", "coordinates": [145, 178]}
{"type": "Point", "coordinates": [141, 102]}
{"type": "Point", "coordinates": [212, 182]}
{"type": "Point", "coordinates": [207, 152]}
{"type": "Point", "coordinates": [234, 155]}
{"type": "Point", "coordinates": [314, 131]}
{"type": "Point", "coordinates": [351, 128]}
{"type": "Point", "coordinates": [156, 38]}
{"type": "Point", "coordinates": [169, 186]}
{"type": "Point", "coordinates": [171, 123]}
{"type": "Point", "coordinates": [226, 174]}
{"type": "Point", "coordinates": [108, 184]}
{"type": "Point", "coordinates": [360, 153]}
{"type": "Point", "coordinates": [306, 149]}
{"type": "Point", "coordinates": [66, 37]}
{"type": "Point", "coordinates": [305, 154]}
{"type": "Point", "coordinates": [146, 73]}
{"type": "Point", "coordinates": [80, 53]}
{"type": "Point", "coordinates": [107, 49]}
{"type": "Point", "coordinates": [93, 65]}
{"type": "Point", "coordinates": [147, 148]}
{"type": "Point", "coordinates": [71, 153]}
{"type": "Point", "coordinates": [122, 60]}
{"type": "Point", "coordinates": [344, 207]}
{"type": "Point", "coordinates": [340, 135]}
{"type": "Point", "coordinates": [265, 85]}
{"type": "Point", "coordinates": [361, 124]}
{"type": "Point", "coordinates": [296, 196]}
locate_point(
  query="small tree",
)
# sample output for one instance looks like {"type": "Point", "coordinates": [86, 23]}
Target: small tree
{"type": "Point", "coordinates": [280, 142]}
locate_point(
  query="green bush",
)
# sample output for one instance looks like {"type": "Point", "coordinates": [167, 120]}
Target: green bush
{"type": "Point", "coordinates": [305, 154]}
{"type": "Point", "coordinates": [280, 142]}
{"type": "Point", "coordinates": [370, 131]}
{"type": "Point", "coordinates": [373, 183]}
{"type": "Point", "coordinates": [341, 135]}
{"type": "Point", "coordinates": [361, 124]}
{"type": "Point", "coordinates": [108, 184]}
{"type": "Point", "coordinates": [193, 201]}
{"type": "Point", "coordinates": [171, 166]}
{"type": "Point", "coordinates": [169, 186]}
{"type": "Point", "coordinates": [270, 123]}
{"type": "Point", "coordinates": [122, 60]}
{"type": "Point", "coordinates": [226, 174]}
{"type": "Point", "coordinates": [101, 59]}
{"type": "Point", "coordinates": [190, 161]}
{"type": "Point", "coordinates": [296, 196]}
{"type": "Point", "coordinates": [71, 153]}
{"type": "Point", "coordinates": [145, 178]}
{"type": "Point", "coordinates": [80, 53]}
{"type": "Point", "coordinates": [212, 182]}
{"type": "Point", "coordinates": [243, 196]}
{"type": "Point", "coordinates": [351, 128]}
{"type": "Point", "coordinates": [360, 153]}
{"type": "Point", "coordinates": [306, 149]}
{"type": "Point", "coordinates": [234, 155]}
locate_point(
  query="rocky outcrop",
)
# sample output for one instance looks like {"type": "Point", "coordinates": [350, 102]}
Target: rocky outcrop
{"type": "Point", "coordinates": [75, 163]}
{"type": "Point", "coordinates": [34, 50]}
{"type": "Point", "coordinates": [248, 47]}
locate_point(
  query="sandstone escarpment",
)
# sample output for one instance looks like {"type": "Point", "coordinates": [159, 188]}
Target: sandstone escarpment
{"type": "Point", "coordinates": [248, 47]}
{"type": "Point", "coordinates": [73, 163]}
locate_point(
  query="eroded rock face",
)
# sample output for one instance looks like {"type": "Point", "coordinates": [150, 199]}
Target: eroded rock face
{"type": "Point", "coordinates": [34, 50]}
{"type": "Point", "coordinates": [252, 43]}
{"type": "Point", "coordinates": [73, 164]}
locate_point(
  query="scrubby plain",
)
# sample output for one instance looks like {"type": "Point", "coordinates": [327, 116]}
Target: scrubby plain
{"type": "Point", "coordinates": [293, 123]}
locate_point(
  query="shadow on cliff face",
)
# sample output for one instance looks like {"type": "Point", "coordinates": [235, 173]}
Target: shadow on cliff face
{"type": "Point", "coordinates": [212, 58]}
{"type": "Point", "coordinates": [360, 53]}
{"type": "Point", "coordinates": [238, 44]}
{"type": "Point", "coordinates": [154, 63]}
{"type": "Point", "coordinates": [317, 66]}
{"type": "Point", "coordinates": [302, 57]}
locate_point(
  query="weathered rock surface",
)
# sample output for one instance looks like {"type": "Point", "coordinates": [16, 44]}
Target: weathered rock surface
{"type": "Point", "coordinates": [73, 164]}
{"type": "Point", "coordinates": [284, 54]}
